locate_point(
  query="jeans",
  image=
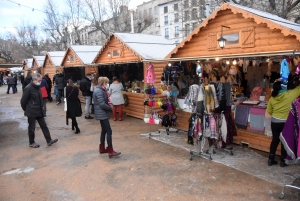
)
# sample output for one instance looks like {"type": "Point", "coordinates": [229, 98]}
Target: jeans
{"type": "Point", "coordinates": [276, 130]}
{"type": "Point", "coordinates": [60, 95]}
{"type": "Point", "coordinates": [11, 86]}
{"type": "Point", "coordinates": [44, 105]}
{"type": "Point", "coordinates": [106, 130]}
{"type": "Point", "coordinates": [87, 101]}
{"type": "Point", "coordinates": [56, 93]}
{"type": "Point", "coordinates": [31, 129]}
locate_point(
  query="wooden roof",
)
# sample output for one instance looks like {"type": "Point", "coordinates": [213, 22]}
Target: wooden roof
{"type": "Point", "coordinates": [287, 28]}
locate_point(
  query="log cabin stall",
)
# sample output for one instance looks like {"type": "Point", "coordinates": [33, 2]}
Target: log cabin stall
{"type": "Point", "coordinates": [27, 66]}
{"type": "Point", "coordinates": [77, 62]}
{"type": "Point", "coordinates": [38, 62]}
{"type": "Point", "coordinates": [123, 56]}
{"type": "Point", "coordinates": [52, 63]}
{"type": "Point", "coordinates": [259, 45]}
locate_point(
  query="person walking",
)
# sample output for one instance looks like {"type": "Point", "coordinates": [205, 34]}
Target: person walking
{"type": "Point", "coordinates": [49, 83]}
{"type": "Point", "coordinates": [278, 108]}
{"type": "Point", "coordinates": [27, 80]}
{"type": "Point", "coordinates": [94, 83]}
{"type": "Point", "coordinates": [85, 87]}
{"type": "Point", "coordinates": [16, 83]}
{"type": "Point", "coordinates": [10, 84]}
{"type": "Point", "coordinates": [60, 82]}
{"type": "Point", "coordinates": [117, 99]}
{"type": "Point", "coordinates": [73, 104]}
{"type": "Point", "coordinates": [22, 79]}
{"type": "Point", "coordinates": [44, 88]}
{"type": "Point", "coordinates": [1, 79]}
{"type": "Point", "coordinates": [102, 106]}
{"type": "Point", "coordinates": [31, 103]}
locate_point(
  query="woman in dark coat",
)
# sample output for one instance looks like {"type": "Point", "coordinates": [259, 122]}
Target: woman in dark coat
{"type": "Point", "coordinates": [73, 105]}
{"type": "Point", "coordinates": [102, 105]}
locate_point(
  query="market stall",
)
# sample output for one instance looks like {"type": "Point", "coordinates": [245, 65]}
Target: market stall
{"type": "Point", "coordinates": [123, 55]}
{"type": "Point", "coordinates": [258, 45]}
{"type": "Point", "coordinates": [52, 63]}
{"type": "Point", "coordinates": [27, 67]}
{"type": "Point", "coordinates": [38, 62]}
{"type": "Point", "coordinates": [77, 62]}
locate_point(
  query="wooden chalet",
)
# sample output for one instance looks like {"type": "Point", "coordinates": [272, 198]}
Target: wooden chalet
{"type": "Point", "coordinates": [27, 67]}
{"type": "Point", "coordinates": [52, 63]}
{"type": "Point", "coordinates": [38, 62]}
{"type": "Point", "coordinates": [77, 61]}
{"type": "Point", "coordinates": [254, 35]}
{"type": "Point", "coordinates": [127, 52]}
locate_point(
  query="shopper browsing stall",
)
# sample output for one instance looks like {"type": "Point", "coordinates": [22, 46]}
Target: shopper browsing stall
{"type": "Point", "coordinates": [279, 108]}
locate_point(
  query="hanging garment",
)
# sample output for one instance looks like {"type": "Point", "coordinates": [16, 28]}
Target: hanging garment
{"type": "Point", "coordinates": [290, 134]}
{"type": "Point", "coordinates": [209, 99]}
{"type": "Point", "coordinates": [257, 120]}
{"type": "Point", "coordinates": [221, 96]}
{"type": "Point", "coordinates": [242, 115]}
{"type": "Point", "coordinates": [231, 128]}
{"type": "Point", "coordinates": [227, 88]}
{"type": "Point", "coordinates": [191, 129]}
{"type": "Point", "coordinates": [214, 95]}
{"type": "Point", "coordinates": [223, 128]}
{"type": "Point", "coordinates": [284, 72]}
{"type": "Point", "coordinates": [206, 125]}
{"type": "Point", "coordinates": [191, 98]}
{"type": "Point", "coordinates": [150, 74]}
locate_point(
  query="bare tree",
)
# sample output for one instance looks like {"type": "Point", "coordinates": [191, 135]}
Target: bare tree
{"type": "Point", "coordinates": [287, 9]}
{"type": "Point", "coordinates": [56, 25]}
{"type": "Point", "coordinates": [74, 16]}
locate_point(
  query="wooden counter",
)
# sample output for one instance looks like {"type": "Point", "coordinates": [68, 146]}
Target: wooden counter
{"type": "Point", "coordinates": [135, 108]}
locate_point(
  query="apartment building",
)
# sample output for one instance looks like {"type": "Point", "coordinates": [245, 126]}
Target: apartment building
{"type": "Point", "coordinates": [150, 9]}
{"type": "Point", "coordinates": [178, 18]}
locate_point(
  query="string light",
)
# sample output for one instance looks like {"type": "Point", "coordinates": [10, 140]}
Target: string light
{"type": "Point", "coordinates": [234, 62]}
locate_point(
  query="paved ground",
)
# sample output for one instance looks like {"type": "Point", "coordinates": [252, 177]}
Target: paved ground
{"type": "Point", "coordinates": [147, 169]}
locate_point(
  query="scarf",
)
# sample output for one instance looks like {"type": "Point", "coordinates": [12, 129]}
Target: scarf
{"type": "Point", "coordinates": [108, 95]}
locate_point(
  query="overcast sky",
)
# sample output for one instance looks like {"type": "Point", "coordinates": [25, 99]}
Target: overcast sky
{"type": "Point", "coordinates": [12, 15]}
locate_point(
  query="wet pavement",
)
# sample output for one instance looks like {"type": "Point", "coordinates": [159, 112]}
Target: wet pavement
{"type": "Point", "coordinates": [148, 169]}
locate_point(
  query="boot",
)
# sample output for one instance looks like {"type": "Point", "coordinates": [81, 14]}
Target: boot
{"type": "Point", "coordinates": [72, 125]}
{"type": "Point", "coordinates": [77, 129]}
{"type": "Point", "coordinates": [102, 149]}
{"type": "Point", "coordinates": [283, 164]}
{"type": "Point", "coordinates": [111, 152]}
{"type": "Point", "coordinates": [120, 112]}
{"type": "Point", "coordinates": [114, 112]}
{"type": "Point", "coordinates": [271, 160]}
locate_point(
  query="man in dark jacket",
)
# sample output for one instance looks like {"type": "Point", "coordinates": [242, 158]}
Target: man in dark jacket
{"type": "Point", "coordinates": [10, 84]}
{"type": "Point", "coordinates": [85, 87]}
{"type": "Point", "coordinates": [60, 82]}
{"type": "Point", "coordinates": [27, 80]}
{"type": "Point", "coordinates": [32, 104]}
{"type": "Point", "coordinates": [49, 83]}
{"type": "Point", "coordinates": [22, 78]}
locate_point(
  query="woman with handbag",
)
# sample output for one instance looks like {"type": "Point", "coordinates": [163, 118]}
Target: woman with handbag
{"type": "Point", "coordinates": [102, 106]}
{"type": "Point", "coordinates": [73, 109]}
{"type": "Point", "coordinates": [43, 88]}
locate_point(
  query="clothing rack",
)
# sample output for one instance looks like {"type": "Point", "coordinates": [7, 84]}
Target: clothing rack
{"type": "Point", "coordinates": [281, 195]}
{"type": "Point", "coordinates": [202, 141]}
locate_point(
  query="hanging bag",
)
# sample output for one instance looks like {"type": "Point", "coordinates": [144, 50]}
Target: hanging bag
{"type": "Point", "coordinates": [65, 100]}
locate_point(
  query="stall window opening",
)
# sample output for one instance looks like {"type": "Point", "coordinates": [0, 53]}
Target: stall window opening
{"type": "Point", "coordinates": [116, 53]}
{"type": "Point", "coordinates": [232, 39]}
